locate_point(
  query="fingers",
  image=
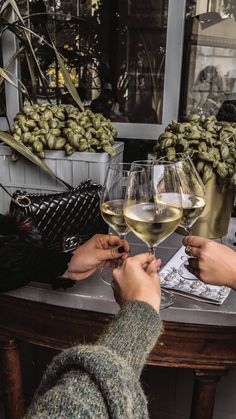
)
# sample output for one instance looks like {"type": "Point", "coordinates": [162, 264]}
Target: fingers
{"type": "Point", "coordinates": [195, 241]}
{"type": "Point", "coordinates": [114, 252]}
{"type": "Point", "coordinates": [115, 241]}
{"type": "Point", "coordinates": [105, 241]}
{"type": "Point", "coordinates": [153, 267]}
{"type": "Point", "coordinates": [143, 259]}
{"type": "Point", "coordinates": [194, 245]}
{"type": "Point", "coordinates": [193, 251]}
{"type": "Point", "coordinates": [109, 247]}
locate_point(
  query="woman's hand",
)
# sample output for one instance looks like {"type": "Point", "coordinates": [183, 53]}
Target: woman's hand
{"type": "Point", "coordinates": [101, 250]}
{"type": "Point", "coordinates": [214, 264]}
{"type": "Point", "coordinates": [137, 279]}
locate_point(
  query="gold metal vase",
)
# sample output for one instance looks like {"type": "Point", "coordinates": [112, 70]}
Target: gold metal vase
{"type": "Point", "coordinates": [214, 221]}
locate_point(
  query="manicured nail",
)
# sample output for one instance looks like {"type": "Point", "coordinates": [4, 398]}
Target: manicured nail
{"type": "Point", "coordinates": [121, 249]}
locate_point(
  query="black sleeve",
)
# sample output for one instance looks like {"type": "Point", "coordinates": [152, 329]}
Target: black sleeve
{"type": "Point", "coordinates": [21, 263]}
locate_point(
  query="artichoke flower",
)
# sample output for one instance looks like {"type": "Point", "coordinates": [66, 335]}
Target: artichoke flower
{"type": "Point", "coordinates": [210, 143]}
{"type": "Point", "coordinates": [44, 127]}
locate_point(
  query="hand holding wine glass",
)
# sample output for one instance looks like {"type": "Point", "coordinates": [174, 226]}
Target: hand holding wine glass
{"type": "Point", "coordinates": [137, 279]}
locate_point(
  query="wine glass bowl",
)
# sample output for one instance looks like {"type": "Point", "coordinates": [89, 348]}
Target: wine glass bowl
{"type": "Point", "coordinates": [112, 197]}
{"type": "Point", "coordinates": [112, 202]}
{"type": "Point", "coordinates": [193, 199]}
{"type": "Point", "coordinates": [153, 207]}
{"type": "Point", "coordinates": [193, 192]}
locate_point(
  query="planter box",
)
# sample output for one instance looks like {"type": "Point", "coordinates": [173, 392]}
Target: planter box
{"type": "Point", "coordinates": [22, 174]}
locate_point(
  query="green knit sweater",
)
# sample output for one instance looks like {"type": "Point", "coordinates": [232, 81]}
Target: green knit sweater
{"type": "Point", "coordinates": [101, 381]}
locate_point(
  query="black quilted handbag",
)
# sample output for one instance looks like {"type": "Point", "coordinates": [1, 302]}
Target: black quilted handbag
{"type": "Point", "coordinates": [64, 219]}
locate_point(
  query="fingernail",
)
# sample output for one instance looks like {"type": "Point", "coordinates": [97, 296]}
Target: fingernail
{"type": "Point", "coordinates": [120, 249]}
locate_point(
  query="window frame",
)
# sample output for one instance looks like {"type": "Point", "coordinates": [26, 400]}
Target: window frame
{"type": "Point", "coordinates": [172, 79]}
{"type": "Point", "coordinates": [9, 47]}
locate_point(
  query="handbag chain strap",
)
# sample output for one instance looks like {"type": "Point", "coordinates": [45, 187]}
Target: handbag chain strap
{"type": "Point", "coordinates": [22, 199]}
{"type": "Point", "coordinates": [63, 181]}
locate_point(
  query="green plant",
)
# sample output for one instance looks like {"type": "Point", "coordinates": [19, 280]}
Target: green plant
{"type": "Point", "coordinates": [44, 125]}
{"type": "Point", "coordinates": [211, 144]}
{"type": "Point", "coordinates": [20, 28]}
{"type": "Point", "coordinates": [63, 127]}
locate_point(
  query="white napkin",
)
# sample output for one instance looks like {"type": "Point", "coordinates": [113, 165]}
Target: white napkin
{"type": "Point", "coordinates": [173, 277]}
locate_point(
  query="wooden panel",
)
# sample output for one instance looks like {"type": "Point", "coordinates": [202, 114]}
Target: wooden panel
{"type": "Point", "coordinates": [181, 345]}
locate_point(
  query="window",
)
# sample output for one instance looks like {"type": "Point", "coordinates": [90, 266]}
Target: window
{"type": "Point", "coordinates": [2, 90]}
{"type": "Point", "coordinates": [116, 52]}
{"type": "Point", "coordinates": [209, 77]}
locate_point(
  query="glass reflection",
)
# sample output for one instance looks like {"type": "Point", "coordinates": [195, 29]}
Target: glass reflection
{"type": "Point", "coordinates": [209, 64]}
{"type": "Point", "coordinates": [2, 89]}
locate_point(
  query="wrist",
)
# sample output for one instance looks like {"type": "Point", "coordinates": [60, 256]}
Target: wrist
{"type": "Point", "coordinates": [153, 300]}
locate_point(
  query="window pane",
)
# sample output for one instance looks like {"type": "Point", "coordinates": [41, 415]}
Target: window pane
{"type": "Point", "coordinates": [114, 50]}
{"type": "Point", "coordinates": [2, 90]}
{"type": "Point", "coordinates": [209, 66]}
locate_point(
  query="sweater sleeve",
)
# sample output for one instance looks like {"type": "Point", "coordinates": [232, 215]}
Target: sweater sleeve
{"type": "Point", "coordinates": [102, 380]}
{"type": "Point", "coordinates": [134, 333]}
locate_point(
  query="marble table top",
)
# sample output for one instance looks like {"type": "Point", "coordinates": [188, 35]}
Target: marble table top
{"type": "Point", "coordinates": [95, 295]}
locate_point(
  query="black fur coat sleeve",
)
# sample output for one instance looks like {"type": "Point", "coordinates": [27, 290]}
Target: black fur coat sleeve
{"type": "Point", "coordinates": [24, 259]}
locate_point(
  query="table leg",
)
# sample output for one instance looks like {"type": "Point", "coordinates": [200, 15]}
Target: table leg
{"type": "Point", "coordinates": [11, 379]}
{"type": "Point", "coordinates": [205, 384]}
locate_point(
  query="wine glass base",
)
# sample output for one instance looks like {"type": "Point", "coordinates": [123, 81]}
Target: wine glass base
{"type": "Point", "coordinates": [167, 299]}
{"type": "Point", "coordinates": [106, 275]}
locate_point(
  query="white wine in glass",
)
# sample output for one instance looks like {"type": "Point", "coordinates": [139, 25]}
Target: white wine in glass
{"type": "Point", "coordinates": [112, 213]}
{"type": "Point", "coordinates": [112, 205]}
{"type": "Point", "coordinates": [193, 199]}
{"type": "Point", "coordinates": [193, 206]}
{"type": "Point", "coordinates": [153, 205]}
{"type": "Point", "coordinates": [152, 222]}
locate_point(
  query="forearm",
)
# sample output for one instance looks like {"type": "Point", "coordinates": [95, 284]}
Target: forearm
{"type": "Point", "coordinates": [102, 381]}
{"type": "Point", "coordinates": [134, 333]}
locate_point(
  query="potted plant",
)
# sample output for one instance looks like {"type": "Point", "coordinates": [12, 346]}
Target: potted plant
{"type": "Point", "coordinates": [75, 142]}
{"type": "Point", "coordinates": [212, 146]}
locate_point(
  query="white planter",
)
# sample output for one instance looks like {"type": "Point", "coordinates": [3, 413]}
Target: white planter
{"type": "Point", "coordinates": [24, 175]}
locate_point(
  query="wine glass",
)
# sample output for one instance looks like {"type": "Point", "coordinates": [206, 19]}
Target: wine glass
{"type": "Point", "coordinates": [111, 205]}
{"type": "Point", "coordinates": [193, 199]}
{"type": "Point", "coordinates": [153, 205]}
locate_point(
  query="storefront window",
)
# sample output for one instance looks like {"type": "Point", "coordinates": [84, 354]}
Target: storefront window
{"type": "Point", "coordinates": [114, 51]}
{"type": "Point", "coordinates": [2, 90]}
{"type": "Point", "coordinates": [209, 62]}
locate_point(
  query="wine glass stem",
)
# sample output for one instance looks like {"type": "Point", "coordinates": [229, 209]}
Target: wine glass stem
{"type": "Point", "coordinates": [151, 250]}
{"type": "Point", "coordinates": [188, 230]}
{"type": "Point", "coordinates": [122, 236]}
